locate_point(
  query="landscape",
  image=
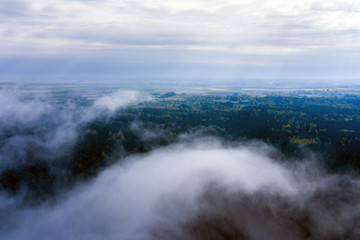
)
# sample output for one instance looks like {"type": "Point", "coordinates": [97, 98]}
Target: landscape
{"type": "Point", "coordinates": [179, 120]}
{"type": "Point", "coordinates": [184, 163]}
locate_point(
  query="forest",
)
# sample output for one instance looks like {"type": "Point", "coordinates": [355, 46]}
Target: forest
{"type": "Point", "coordinates": [298, 127]}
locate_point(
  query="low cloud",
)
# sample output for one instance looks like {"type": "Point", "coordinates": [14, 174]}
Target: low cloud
{"type": "Point", "coordinates": [145, 133]}
{"type": "Point", "coordinates": [120, 99]}
{"type": "Point", "coordinates": [17, 110]}
{"type": "Point", "coordinates": [35, 130]}
{"type": "Point", "coordinates": [200, 189]}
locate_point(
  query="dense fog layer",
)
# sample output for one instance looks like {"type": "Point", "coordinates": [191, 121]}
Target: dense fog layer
{"type": "Point", "coordinates": [199, 190]}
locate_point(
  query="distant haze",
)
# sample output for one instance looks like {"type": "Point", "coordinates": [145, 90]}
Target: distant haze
{"type": "Point", "coordinates": [72, 40]}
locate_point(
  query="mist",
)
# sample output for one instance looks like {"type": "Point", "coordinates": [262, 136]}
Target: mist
{"type": "Point", "coordinates": [198, 189]}
{"type": "Point", "coordinates": [38, 135]}
{"type": "Point", "coordinates": [195, 187]}
{"type": "Point", "coordinates": [29, 122]}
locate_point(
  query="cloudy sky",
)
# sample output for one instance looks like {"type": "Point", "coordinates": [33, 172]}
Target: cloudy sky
{"type": "Point", "coordinates": [229, 39]}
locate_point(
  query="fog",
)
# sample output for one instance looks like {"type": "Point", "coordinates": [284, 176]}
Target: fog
{"type": "Point", "coordinates": [34, 129]}
{"type": "Point", "coordinates": [39, 135]}
{"type": "Point", "coordinates": [199, 189]}
{"type": "Point", "coordinates": [120, 99]}
{"type": "Point", "coordinates": [145, 133]}
{"type": "Point", "coordinates": [196, 188]}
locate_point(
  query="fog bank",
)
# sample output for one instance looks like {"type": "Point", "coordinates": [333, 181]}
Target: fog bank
{"type": "Point", "coordinates": [200, 189]}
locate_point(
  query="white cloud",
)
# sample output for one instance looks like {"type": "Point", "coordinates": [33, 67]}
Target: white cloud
{"type": "Point", "coordinates": [217, 23]}
{"type": "Point", "coordinates": [120, 99]}
{"type": "Point", "coordinates": [32, 129]}
{"type": "Point", "coordinates": [163, 190]}
{"type": "Point", "coordinates": [176, 32]}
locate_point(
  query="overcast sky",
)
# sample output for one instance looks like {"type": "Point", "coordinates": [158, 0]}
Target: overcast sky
{"type": "Point", "coordinates": [237, 39]}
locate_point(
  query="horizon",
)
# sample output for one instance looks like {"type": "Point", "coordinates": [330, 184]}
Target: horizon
{"type": "Point", "coordinates": [168, 119]}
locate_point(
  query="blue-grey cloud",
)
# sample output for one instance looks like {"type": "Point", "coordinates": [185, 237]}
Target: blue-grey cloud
{"type": "Point", "coordinates": [13, 9]}
{"type": "Point", "coordinates": [173, 32]}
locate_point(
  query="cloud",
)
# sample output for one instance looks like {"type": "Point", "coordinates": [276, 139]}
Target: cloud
{"type": "Point", "coordinates": [166, 35]}
{"type": "Point", "coordinates": [189, 23]}
{"type": "Point", "coordinates": [144, 133]}
{"type": "Point", "coordinates": [15, 111]}
{"type": "Point", "coordinates": [34, 130]}
{"type": "Point", "coordinates": [120, 99]}
{"type": "Point", "coordinates": [199, 189]}
{"type": "Point", "coordinates": [14, 9]}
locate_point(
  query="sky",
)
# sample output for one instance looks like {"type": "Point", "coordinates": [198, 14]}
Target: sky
{"type": "Point", "coordinates": [158, 39]}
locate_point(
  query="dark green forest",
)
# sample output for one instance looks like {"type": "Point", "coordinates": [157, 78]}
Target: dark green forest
{"type": "Point", "coordinates": [298, 127]}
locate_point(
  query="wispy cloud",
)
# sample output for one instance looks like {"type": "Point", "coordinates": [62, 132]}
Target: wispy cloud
{"type": "Point", "coordinates": [33, 130]}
